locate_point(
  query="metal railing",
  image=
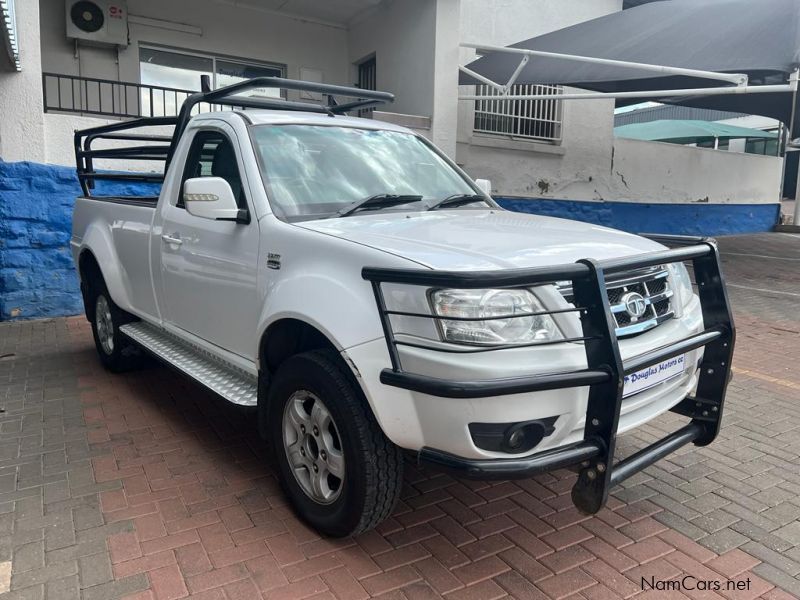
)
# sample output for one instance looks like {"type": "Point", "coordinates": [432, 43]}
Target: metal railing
{"type": "Point", "coordinates": [530, 119]}
{"type": "Point", "coordinates": [109, 98]}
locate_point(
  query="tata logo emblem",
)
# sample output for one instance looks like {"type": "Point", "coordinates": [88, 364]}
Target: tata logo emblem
{"type": "Point", "coordinates": [635, 304]}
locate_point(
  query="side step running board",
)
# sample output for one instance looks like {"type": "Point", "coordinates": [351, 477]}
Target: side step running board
{"type": "Point", "coordinates": [228, 381]}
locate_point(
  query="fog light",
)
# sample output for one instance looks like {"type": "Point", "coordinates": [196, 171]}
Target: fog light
{"type": "Point", "coordinates": [523, 436]}
{"type": "Point", "coordinates": [511, 438]}
{"type": "Point", "coordinates": [515, 439]}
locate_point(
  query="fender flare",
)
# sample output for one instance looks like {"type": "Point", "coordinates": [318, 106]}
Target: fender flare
{"type": "Point", "coordinates": [347, 317]}
{"type": "Point", "coordinates": [97, 241]}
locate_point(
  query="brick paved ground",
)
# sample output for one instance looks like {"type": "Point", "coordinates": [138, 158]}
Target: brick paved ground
{"type": "Point", "coordinates": [744, 490]}
{"type": "Point", "coordinates": [144, 486]}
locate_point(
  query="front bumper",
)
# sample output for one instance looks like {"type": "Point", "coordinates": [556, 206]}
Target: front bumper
{"type": "Point", "coordinates": [557, 458]}
{"type": "Point", "coordinates": [414, 420]}
{"type": "Point", "coordinates": [601, 381]}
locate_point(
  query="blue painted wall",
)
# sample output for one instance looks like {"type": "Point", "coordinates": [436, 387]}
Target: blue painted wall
{"type": "Point", "coordinates": [636, 217]}
{"type": "Point", "coordinates": [37, 277]}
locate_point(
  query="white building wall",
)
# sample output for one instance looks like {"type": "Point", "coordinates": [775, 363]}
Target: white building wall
{"type": "Point", "coordinates": [670, 173]}
{"type": "Point", "coordinates": [445, 81]}
{"type": "Point", "coordinates": [579, 168]}
{"type": "Point", "coordinates": [400, 35]}
{"type": "Point", "coordinates": [415, 45]}
{"type": "Point", "coordinates": [59, 132]}
{"type": "Point", "coordinates": [230, 29]}
{"type": "Point", "coordinates": [21, 119]}
{"type": "Point", "coordinates": [415, 42]}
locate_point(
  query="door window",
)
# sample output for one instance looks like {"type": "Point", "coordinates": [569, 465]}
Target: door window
{"type": "Point", "coordinates": [212, 155]}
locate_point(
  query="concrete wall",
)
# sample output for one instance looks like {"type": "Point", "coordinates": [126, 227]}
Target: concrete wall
{"type": "Point", "coordinates": [21, 122]}
{"type": "Point", "coordinates": [415, 45]}
{"type": "Point", "coordinates": [229, 29]}
{"type": "Point", "coordinates": [666, 188]}
{"type": "Point", "coordinates": [446, 56]}
{"type": "Point", "coordinates": [580, 164]}
{"type": "Point", "coordinates": [650, 217]}
{"type": "Point", "coordinates": [59, 150]}
{"type": "Point", "coordinates": [670, 173]}
{"type": "Point", "coordinates": [400, 34]}
{"type": "Point", "coordinates": [37, 277]}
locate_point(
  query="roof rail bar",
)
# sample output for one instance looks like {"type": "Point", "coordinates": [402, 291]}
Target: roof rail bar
{"type": "Point", "coordinates": [227, 96]}
{"type": "Point", "coordinates": [162, 148]}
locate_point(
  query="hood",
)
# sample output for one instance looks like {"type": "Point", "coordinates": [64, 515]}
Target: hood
{"type": "Point", "coordinates": [463, 240]}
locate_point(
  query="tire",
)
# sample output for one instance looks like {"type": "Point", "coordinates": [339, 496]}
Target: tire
{"type": "Point", "coordinates": [116, 351]}
{"type": "Point", "coordinates": [359, 477]}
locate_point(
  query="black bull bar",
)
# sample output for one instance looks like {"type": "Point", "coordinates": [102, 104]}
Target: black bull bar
{"type": "Point", "coordinates": [605, 371]}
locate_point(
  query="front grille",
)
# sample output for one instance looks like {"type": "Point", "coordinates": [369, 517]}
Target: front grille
{"type": "Point", "coordinates": [651, 285]}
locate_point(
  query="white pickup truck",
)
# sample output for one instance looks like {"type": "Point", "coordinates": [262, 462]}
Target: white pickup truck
{"type": "Point", "coordinates": [351, 282]}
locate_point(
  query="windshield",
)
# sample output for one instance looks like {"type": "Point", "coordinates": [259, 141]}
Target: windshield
{"type": "Point", "coordinates": [315, 171]}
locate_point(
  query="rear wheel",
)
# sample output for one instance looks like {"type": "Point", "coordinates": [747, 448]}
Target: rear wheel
{"type": "Point", "coordinates": [116, 351]}
{"type": "Point", "coordinates": [340, 471]}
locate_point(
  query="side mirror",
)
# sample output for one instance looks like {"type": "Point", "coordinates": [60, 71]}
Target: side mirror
{"type": "Point", "coordinates": [484, 185]}
{"type": "Point", "coordinates": [212, 198]}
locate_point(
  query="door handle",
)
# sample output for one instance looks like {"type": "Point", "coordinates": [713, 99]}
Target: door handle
{"type": "Point", "coordinates": [170, 239]}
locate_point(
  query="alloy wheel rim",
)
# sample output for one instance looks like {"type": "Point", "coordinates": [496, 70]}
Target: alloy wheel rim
{"type": "Point", "coordinates": [104, 324]}
{"type": "Point", "coordinates": [313, 447]}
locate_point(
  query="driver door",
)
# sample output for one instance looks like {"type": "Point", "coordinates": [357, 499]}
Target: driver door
{"type": "Point", "coordinates": [208, 267]}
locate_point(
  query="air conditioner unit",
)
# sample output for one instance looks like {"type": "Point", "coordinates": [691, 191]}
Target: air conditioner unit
{"type": "Point", "coordinates": [99, 22]}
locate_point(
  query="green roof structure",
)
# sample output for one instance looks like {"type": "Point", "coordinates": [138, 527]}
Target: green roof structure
{"type": "Point", "coordinates": [678, 131]}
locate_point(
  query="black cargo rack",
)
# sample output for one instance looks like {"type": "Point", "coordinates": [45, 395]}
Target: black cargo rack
{"type": "Point", "coordinates": [161, 148]}
{"type": "Point", "coordinates": [605, 372]}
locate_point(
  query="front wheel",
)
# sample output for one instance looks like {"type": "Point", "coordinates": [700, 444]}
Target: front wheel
{"type": "Point", "coordinates": [340, 471]}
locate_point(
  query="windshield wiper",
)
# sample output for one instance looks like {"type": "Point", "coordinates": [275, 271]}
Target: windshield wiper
{"type": "Point", "coordinates": [457, 200]}
{"type": "Point", "coordinates": [377, 201]}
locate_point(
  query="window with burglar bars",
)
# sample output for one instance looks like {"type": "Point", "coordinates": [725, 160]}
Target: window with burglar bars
{"type": "Point", "coordinates": [531, 119]}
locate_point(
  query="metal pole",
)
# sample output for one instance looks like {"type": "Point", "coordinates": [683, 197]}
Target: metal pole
{"type": "Point", "coordinates": [796, 217]}
{"type": "Point", "coordinates": [784, 140]}
{"type": "Point", "coordinates": [736, 78]}
{"type": "Point", "coordinates": [717, 91]}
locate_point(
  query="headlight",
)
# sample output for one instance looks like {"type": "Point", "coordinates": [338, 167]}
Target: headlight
{"type": "Point", "coordinates": [490, 304]}
{"type": "Point", "coordinates": [681, 283]}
